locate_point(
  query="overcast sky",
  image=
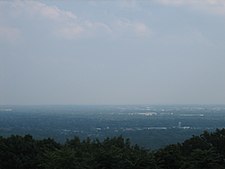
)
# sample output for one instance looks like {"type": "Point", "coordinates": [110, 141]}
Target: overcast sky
{"type": "Point", "coordinates": [112, 52]}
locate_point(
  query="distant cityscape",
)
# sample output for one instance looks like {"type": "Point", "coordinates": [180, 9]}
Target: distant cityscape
{"type": "Point", "coordinates": [148, 126]}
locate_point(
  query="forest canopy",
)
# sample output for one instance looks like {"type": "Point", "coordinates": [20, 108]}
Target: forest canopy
{"type": "Point", "coordinates": [206, 151]}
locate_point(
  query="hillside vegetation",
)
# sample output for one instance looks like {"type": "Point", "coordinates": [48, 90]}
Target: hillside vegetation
{"type": "Point", "coordinates": [206, 151]}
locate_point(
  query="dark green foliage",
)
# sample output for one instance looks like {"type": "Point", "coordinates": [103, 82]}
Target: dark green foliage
{"type": "Point", "coordinates": [206, 151]}
{"type": "Point", "coordinates": [205, 159]}
{"type": "Point", "coordinates": [170, 157]}
{"type": "Point", "coordinates": [18, 152]}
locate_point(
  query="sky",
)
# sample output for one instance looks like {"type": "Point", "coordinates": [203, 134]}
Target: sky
{"type": "Point", "coordinates": [112, 52]}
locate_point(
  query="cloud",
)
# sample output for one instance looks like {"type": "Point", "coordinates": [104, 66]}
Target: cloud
{"type": "Point", "coordinates": [85, 29]}
{"type": "Point", "coordinates": [213, 6]}
{"type": "Point", "coordinates": [9, 33]}
{"type": "Point", "coordinates": [66, 24]}
{"type": "Point", "coordinates": [176, 2]}
{"type": "Point", "coordinates": [35, 8]}
{"type": "Point", "coordinates": [29, 11]}
{"type": "Point", "coordinates": [141, 29]}
{"type": "Point", "coordinates": [127, 27]}
{"type": "Point", "coordinates": [70, 32]}
{"type": "Point", "coordinates": [191, 2]}
{"type": "Point", "coordinates": [129, 4]}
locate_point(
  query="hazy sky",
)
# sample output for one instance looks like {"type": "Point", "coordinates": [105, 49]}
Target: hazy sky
{"type": "Point", "coordinates": [112, 52]}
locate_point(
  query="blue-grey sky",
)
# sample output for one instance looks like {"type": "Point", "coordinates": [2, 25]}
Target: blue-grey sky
{"type": "Point", "coordinates": [112, 52]}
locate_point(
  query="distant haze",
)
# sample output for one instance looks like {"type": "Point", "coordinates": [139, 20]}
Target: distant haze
{"type": "Point", "coordinates": [112, 52]}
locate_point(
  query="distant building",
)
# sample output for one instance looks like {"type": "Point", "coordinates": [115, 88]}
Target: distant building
{"type": "Point", "coordinates": [179, 124]}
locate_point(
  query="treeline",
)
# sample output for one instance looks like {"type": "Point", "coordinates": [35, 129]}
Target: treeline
{"type": "Point", "coordinates": [206, 151]}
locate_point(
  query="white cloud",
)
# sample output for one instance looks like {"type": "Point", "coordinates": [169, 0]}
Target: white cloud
{"type": "Point", "coordinates": [81, 29]}
{"type": "Point", "coordinates": [213, 6]}
{"type": "Point", "coordinates": [66, 24]}
{"type": "Point", "coordinates": [9, 33]}
{"type": "Point", "coordinates": [35, 8]}
{"type": "Point", "coordinates": [70, 32]}
{"type": "Point", "coordinates": [141, 29]}
{"type": "Point", "coordinates": [130, 4]}
{"type": "Point", "coordinates": [191, 2]}
{"type": "Point", "coordinates": [174, 2]}
{"type": "Point", "coordinates": [127, 27]}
